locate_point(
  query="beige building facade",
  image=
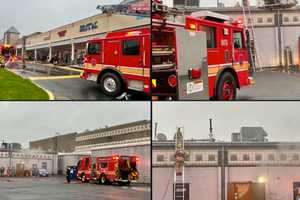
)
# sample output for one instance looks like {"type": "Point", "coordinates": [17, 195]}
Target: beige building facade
{"type": "Point", "coordinates": [68, 42]}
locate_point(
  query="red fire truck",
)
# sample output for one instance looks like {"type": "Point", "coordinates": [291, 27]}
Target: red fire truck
{"type": "Point", "coordinates": [7, 53]}
{"type": "Point", "coordinates": [110, 169]}
{"type": "Point", "coordinates": [188, 65]}
{"type": "Point", "coordinates": [119, 61]}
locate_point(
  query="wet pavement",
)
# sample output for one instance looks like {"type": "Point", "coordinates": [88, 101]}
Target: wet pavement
{"type": "Point", "coordinates": [65, 83]}
{"type": "Point", "coordinates": [273, 85]}
{"type": "Point", "coordinates": [53, 188]}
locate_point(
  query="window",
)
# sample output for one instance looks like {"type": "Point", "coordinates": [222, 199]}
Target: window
{"type": "Point", "coordinates": [131, 47]}
{"type": "Point", "coordinates": [258, 157]}
{"type": "Point", "coordinates": [103, 165]}
{"type": "Point", "coordinates": [246, 157]}
{"type": "Point", "coordinates": [44, 165]}
{"type": "Point", "coordinates": [295, 19]}
{"type": "Point", "coordinates": [283, 157]}
{"type": "Point", "coordinates": [199, 157]}
{"type": "Point", "coordinates": [172, 157]}
{"type": "Point", "coordinates": [210, 36]}
{"type": "Point", "coordinates": [238, 40]}
{"type": "Point", "coordinates": [86, 162]}
{"type": "Point", "coordinates": [187, 157]}
{"type": "Point", "coordinates": [211, 157]}
{"type": "Point", "coordinates": [160, 158]}
{"type": "Point", "coordinates": [295, 157]}
{"type": "Point", "coordinates": [260, 20]}
{"type": "Point", "coordinates": [94, 48]}
{"type": "Point", "coordinates": [270, 20]}
{"type": "Point", "coordinates": [271, 157]}
{"type": "Point", "coordinates": [233, 157]}
{"type": "Point", "coordinates": [286, 19]}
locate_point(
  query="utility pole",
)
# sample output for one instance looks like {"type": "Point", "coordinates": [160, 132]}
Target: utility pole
{"type": "Point", "coordinates": [24, 51]}
{"type": "Point", "coordinates": [155, 131]}
{"type": "Point", "coordinates": [179, 183]}
{"type": "Point", "coordinates": [278, 16]}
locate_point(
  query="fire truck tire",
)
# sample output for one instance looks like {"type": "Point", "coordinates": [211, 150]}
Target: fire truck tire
{"type": "Point", "coordinates": [102, 179]}
{"type": "Point", "coordinates": [111, 84]}
{"type": "Point", "coordinates": [226, 88]}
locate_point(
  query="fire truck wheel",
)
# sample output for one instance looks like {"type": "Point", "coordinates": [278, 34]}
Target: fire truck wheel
{"type": "Point", "coordinates": [102, 179]}
{"type": "Point", "coordinates": [111, 84]}
{"type": "Point", "coordinates": [226, 88]}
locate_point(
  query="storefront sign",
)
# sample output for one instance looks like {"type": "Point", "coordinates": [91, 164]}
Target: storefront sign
{"type": "Point", "coordinates": [62, 33]}
{"type": "Point", "coordinates": [88, 27]}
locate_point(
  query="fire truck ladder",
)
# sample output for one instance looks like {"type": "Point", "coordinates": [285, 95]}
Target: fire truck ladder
{"type": "Point", "coordinates": [179, 177]}
{"type": "Point", "coordinates": [253, 47]}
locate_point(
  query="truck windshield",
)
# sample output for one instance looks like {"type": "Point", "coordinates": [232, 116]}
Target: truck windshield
{"type": "Point", "coordinates": [94, 48]}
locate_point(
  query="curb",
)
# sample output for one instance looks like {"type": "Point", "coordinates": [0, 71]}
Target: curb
{"type": "Point", "coordinates": [50, 94]}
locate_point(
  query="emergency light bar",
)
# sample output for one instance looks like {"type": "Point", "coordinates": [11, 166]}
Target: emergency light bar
{"type": "Point", "coordinates": [210, 15]}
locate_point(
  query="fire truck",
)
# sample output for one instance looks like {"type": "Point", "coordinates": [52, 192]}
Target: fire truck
{"type": "Point", "coordinates": [119, 61]}
{"type": "Point", "coordinates": [204, 58]}
{"type": "Point", "coordinates": [110, 169]}
{"type": "Point", "coordinates": [7, 53]}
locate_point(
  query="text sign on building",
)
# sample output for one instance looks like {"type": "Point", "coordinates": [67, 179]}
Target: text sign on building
{"type": "Point", "coordinates": [88, 27]}
{"type": "Point", "coordinates": [182, 191]}
{"type": "Point", "coordinates": [62, 33]}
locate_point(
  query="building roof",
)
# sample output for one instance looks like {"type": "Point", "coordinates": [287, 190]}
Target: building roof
{"type": "Point", "coordinates": [12, 30]}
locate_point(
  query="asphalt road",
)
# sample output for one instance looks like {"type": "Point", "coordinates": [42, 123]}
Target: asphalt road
{"type": "Point", "coordinates": [65, 83]}
{"type": "Point", "coordinates": [273, 85]}
{"type": "Point", "coordinates": [55, 189]}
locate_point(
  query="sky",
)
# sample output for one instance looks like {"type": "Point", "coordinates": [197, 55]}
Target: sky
{"type": "Point", "coordinates": [29, 16]}
{"type": "Point", "coordinates": [279, 119]}
{"type": "Point", "coordinates": [26, 121]}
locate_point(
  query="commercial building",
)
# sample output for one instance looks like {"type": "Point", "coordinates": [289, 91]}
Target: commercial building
{"type": "Point", "coordinates": [22, 162]}
{"type": "Point", "coordinates": [68, 42]}
{"type": "Point", "coordinates": [226, 170]}
{"type": "Point", "coordinates": [58, 144]}
{"type": "Point", "coordinates": [276, 32]}
{"type": "Point", "coordinates": [11, 36]}
{"type": "Point", "coordinates": [125, 139]}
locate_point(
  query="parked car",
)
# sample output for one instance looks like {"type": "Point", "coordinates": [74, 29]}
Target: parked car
{"type": "Point", "coordinates": [43, 173]}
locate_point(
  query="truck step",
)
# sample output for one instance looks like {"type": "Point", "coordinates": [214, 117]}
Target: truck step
{"type": "Point", "coordinates": [162, 53]}
{"type": "Point", "coordinates": [163, 66]}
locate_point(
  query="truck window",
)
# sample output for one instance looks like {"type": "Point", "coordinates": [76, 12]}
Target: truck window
{"type": "Point", "coordinates": [238, 40]}
{"type": "Point", "coordinates": [94, 48]}
{"type": "Point", "coordinates": [86, 162]}
{"type": "Point", "coordinates": [103, 165]}
{"type": "Point", "coordinates": [131, 47]}
{"type": "Point", "coordinates": [210, 36]}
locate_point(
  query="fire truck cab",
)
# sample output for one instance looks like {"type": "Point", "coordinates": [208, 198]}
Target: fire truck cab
{"type": "Point", "coordinates": [119, 61]}
{"type": "Point", "coordinates": [110, 169]}
{"type": "Point", "coordinates": [7, 52]}
{"type": "Point", "coordinates": [224, 66]}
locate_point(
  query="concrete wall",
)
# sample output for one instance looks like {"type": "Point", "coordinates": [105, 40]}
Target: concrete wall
{"type": "Point", "coordinates": [143, 151]}
{"type": "Point", "coordinates": [29, 159]}
{"type": "Point", "coordinates": [205, 181]}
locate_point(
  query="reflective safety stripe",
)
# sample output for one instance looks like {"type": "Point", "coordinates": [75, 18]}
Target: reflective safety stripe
{"type": "Point", "coordinates": [214, 69]}
{"type": "Point", "coordinates": [145, 72]}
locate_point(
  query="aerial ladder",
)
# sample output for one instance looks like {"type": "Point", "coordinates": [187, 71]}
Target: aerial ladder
{"type": "Point", "coordinates": [179, 183]}
{"type": "Point", "coordinates": [252, 46]}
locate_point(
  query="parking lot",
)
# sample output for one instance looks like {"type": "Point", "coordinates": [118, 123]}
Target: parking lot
{"type": "Point", "coordinates": [273, 85]}
{"type": "Point", "coordinates": [54, 188]}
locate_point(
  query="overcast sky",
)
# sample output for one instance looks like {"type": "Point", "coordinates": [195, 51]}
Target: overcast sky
{"type": "Point", "coordinates": [281, 120]}
{"type": "Point", "coordinates": [30, 16]}
{"type": "Point", "coordinates": [26, 121]}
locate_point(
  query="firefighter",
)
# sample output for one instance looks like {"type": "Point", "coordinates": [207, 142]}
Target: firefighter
{"type": "Point", "coordinates": [68, 172]}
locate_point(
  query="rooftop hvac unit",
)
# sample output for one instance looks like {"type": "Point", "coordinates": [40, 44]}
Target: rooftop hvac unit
{"type": "Point", "coordinates": [276, 4]}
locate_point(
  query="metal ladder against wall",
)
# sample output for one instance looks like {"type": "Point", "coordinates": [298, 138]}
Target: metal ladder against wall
{"type": "Point", "coordinates": [249, 24]}
{"type": "Point", "coordinates": [179, 181]}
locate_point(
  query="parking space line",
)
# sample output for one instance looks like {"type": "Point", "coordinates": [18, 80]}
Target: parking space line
{"type": "Point", "coordinates": [53, 77]}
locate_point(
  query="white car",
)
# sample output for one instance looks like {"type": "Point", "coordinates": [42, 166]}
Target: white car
{"type": "Point", "coordinates": [43, 172]}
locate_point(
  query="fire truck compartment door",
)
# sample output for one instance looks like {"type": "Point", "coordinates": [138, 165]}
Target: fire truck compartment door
{"type": "Point", "coordinates": [192, 57]}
